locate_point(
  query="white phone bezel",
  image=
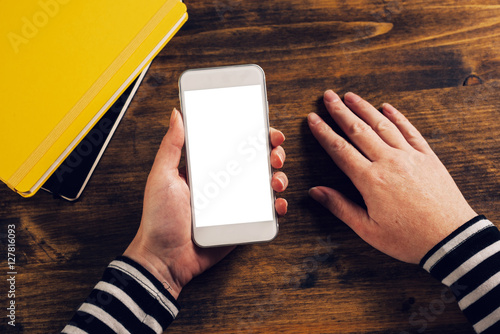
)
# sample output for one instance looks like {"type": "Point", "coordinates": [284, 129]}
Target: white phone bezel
{"type": "Point", "coordinates": [221, 77]}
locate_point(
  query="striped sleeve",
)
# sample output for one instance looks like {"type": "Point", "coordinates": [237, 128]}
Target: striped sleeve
{"type": "Point", "coordinates": [468, 261]}
{"type": "Point", "coordinates": [128, 299]}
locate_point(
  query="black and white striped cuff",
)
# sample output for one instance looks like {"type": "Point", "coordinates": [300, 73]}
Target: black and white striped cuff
{"type": "Point", "coordinates": [468, 261]}
{"type": "Point", "coordinates": [128, 299]}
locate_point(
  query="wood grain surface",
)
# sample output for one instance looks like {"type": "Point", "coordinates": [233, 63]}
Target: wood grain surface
{"type": "Point", "coordinates": [437, 61]}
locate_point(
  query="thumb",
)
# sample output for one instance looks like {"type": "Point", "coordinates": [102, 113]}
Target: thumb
{"type": "Point", "coordinates": [169, 153]}
{"type": "Point", "coordinates": [343, 208]}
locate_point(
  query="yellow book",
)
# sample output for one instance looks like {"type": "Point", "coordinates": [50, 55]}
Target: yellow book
{"type": "Point", "coordinates": [63, 63]}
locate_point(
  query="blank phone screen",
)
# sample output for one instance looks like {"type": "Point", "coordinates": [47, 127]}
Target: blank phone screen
{"type": "Point", "coordinates": [228, 155]}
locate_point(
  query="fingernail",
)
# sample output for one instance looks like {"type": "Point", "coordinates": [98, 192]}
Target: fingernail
{"type": "Point", "coordinates": [173, 116]}
{"type": "Point", "coordinates": [282, 160]}
{"type": "Point", "coordinates": [280, 183]}
{"type": "Point", "coordinates": [286, 207]}
{"type": "Point", "coordinates": [351, 97]}
{"type": "Point", "coordinates": [313, 118]}
{"type": "Point", "coordinates": [330, 96]}
{"type": "Point", "coordinates": [388, 109]}
{"type": "Point", "coordinates": [317, 194]}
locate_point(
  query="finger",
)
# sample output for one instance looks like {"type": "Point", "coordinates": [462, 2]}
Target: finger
{"type": "Point", "coordinates": [277, 137]}
{"type": "Point", "coordinates": [409, 132]}
{"type": "Point", "coordinates": [169, 153]}
{"type": "Point", "coordinates": [281, 206]}
{"type": "Point", "coordinates": [343, 208]}
{"type": "Point", "coordinates": [378, 122]}
{"type": "Point", "coordinates": [278, 157]}
{"type": "Point", "coordinates": [349, 159]}
{"type": "Point", "coordinates": [183, 174]}
{"type": "Point", "coordinates": [356, 129]}
{"type": "Point", "coordinates": [279, 182]}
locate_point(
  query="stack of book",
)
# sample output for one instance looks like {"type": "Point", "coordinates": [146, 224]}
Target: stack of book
{"type": "Point", "coordinates": [64, 63]}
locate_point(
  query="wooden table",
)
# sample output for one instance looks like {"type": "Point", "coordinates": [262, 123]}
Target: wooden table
{"type": "Point", "coordinates": [439, 62]}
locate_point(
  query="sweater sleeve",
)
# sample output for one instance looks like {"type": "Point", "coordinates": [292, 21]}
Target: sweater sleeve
{"type": "Point", "coordinates": [468, 261]}
{"type": "Point", "coordinates": [128, 299]}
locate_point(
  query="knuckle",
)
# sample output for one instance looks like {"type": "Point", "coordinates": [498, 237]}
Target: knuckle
{"type": "Point", "coordinates": [383, 126]}
{"type": "Point", "coordinates": [357, 128]}
{"type": "Point", "coordinates": [338, 145]}
{"type": "Point", "coordinates": [335, 107]}
{"type": "Point", "coordinates": [415, 134]}
{"type": "Point", "coordinates": [416, 159]}
{"type": "Point", "coordinates": [415, 140]}
{"type": "Point", "coordinates": [400, 119]}
{"type": "Point", "coordinates": [323, 129]}
{"type": "Point", "coordinates": [338, 208]}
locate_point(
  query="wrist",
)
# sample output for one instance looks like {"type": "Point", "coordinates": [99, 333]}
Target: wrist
{"type": "Point", "coordinates": [138, 252]}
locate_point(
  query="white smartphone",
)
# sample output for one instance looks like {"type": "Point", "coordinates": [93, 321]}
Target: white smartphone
{"type": "Point", "coordinates": [226, 123]}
